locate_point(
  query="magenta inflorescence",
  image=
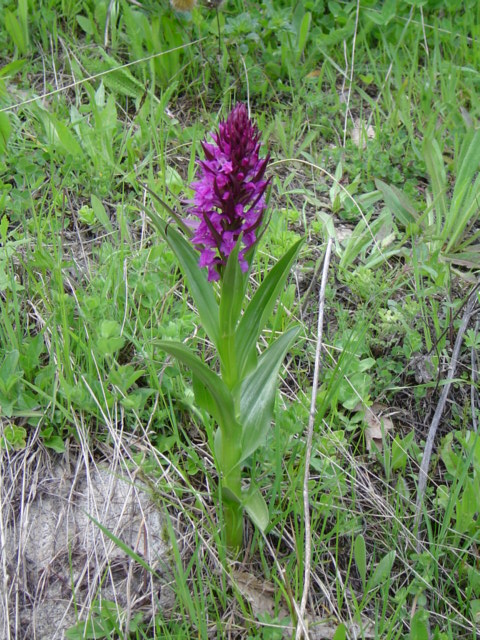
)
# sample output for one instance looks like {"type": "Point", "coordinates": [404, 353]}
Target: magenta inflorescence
{"type": "Point", "coordinates": [229, 197]}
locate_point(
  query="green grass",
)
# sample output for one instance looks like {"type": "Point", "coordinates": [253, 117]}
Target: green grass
{"type": "Point", "coordinates": [99, 99]}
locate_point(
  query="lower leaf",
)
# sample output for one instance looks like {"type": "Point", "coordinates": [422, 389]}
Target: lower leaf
{"type": "Point", "coordinates": [256, 507]}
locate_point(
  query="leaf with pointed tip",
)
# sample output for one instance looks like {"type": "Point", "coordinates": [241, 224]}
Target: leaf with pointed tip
{"type": "Point", "coordinates": [124, 547]}
{"type": "Point", "coordinates": [438, 183]}
{"type": "Point", "coordinates": [382, 571]}
{"type": "Point", "coordinates": [222, 401]}
{"type": "Point", "coordinates": [256, 507]}
{"type": "Point", "coordinates": [253, 503]}
{"type": "Point", "coordinates": [234, 283]}
{"type": "Point", "coordinates": [257, 393]}
{"type": "Point", "coordinates": [260, 308]}
{"type": "Point", "coordinates": [398, 203]}
{"type": "Point", "coordinates": [464, 207]}
{"type": "Point", "coordinates": [200, 289]}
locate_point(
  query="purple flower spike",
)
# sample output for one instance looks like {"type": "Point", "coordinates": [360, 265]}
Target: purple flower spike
{"type": "Point", "coordinates": [230, 195]}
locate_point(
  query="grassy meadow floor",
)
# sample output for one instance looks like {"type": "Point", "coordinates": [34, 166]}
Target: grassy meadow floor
{"type": "Point", "coordinates": [370, 111]}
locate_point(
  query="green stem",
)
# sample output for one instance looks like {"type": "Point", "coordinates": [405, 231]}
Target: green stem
{"type": "Point", "coordinates": [232, 509]}
{"type": "Point", "coordinates": [233, 515]}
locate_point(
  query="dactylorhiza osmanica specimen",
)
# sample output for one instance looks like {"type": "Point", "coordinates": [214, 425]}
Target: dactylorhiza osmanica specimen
{"type": "Point", "coordinates": [229, 197]}
{"type": "Point", "coordinates": [224, 223]}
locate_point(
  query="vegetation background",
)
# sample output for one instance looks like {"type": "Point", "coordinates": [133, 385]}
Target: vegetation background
{"type": "Point", "coordinates": [370, 111]}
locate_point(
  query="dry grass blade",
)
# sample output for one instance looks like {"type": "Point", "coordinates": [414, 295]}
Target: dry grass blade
{"type": "Point", "coordinates": [308, 448]}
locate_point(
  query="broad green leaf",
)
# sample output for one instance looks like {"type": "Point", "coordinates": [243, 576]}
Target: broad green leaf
{"type": "Point", "coordinates": [468, 164]}
{"type": "Point", "coordinates": [382, 571]}
{"type": "Point", "coordinates": [438, 181]}
{"type": "Point", "coordinates": [253, 503]}
{"type": "Point", "coordinates": [257, 393]}
{"type": "Point", "coordinates": [398, 203]}
{"type": "Point", "coordinates": [199, 287]}
{"type": "Point", "coordinates": [9, 365]}
{"type": "Point", "coordinates": [419, 627]}
{"type": "Point", "coordinates": [12, 68]}
{"type": "Point", "coordinates": [86, 24]}
{"type": "Point", "coordinates": [303, 34]}
{"type": "Point", "coordinates": [400, 449]}
{"type": "Point", "coordinates": [60, 136]}
{"type": "Point", "coordinates": [22, 9]}
{"type": "Point", "coordinates": [203, 398]}
{"type": "Point", "coordinates": [54, 442]}
{"type": "Point", "coordinates": [115, 75]}
{"type": "Point", "coordinates": [360, 555]}
{"type": "Point", "coordinates": [231, 299]}
{"type": "Point", "coordinates": [220, 394]}
{"type": "Point", "coordinates": [260, 308]}
{"type": "Point", "coordinates": [467, 506]}
{"type": "Point", "coordinates": [464, 207]}
{"type": "Point", "coordinates": [15, 31]}
{"type": "Point", "coordinates": [340, 632]}
{"type": "Point", "coordinates": [227, 449]}
{"type": "Point", "coordinates": [256, 507]}
{"type": "Point", "coordinates": [233, 291]}
{"type": "Point", "coordinates": [100, 213]}
{"type": "Point", "coordinates": [363, 237]}
{"type": "Point", "coordinates": [5, 131]}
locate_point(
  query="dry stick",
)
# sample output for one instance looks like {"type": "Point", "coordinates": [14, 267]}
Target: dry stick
{"type": "Point", "coordinates": [311, 422]}
{"type": "Point", "coordinates": [347, 106]}
{"type": "Point", "coordinates": [422, 476]}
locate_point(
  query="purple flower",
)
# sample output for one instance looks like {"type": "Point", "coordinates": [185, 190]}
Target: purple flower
{"type": "Point", "coordinates": [229, 197]}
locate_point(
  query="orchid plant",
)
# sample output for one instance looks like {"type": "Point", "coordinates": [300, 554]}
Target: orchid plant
{"type": "Point", "coordinates": [226, 219]}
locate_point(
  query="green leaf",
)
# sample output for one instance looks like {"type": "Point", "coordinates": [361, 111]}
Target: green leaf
{"type": "Point", "coordinates": [196, 278]}
{"type": "Point", "coordinates": [256, 507]}
{"type": "Point", "coordinates": [203, 398]}
{"type": "Point", "coordinates": [260, 308]}
{"type": "Point", "coordinates": [219, 392]}
{"type": "Point", "coordinates": [124, 547]}
{"type": "Point", "coordinates": [100, 213]}
{"type": "Point", "coordinates": [468, 164]}
{"type": "Point", "coordinates": [10, 69]}
{"type": "Point", "coordinates": [340, 632]}
{"type": "Point", "coordinates": [14, 30]}
{"type": "Point", "coordinates": [257, 394]}
{"type": "Point", "coordinates": [467, 506]}
{"type": "Point", "coordinates": [382, 571]}
{"type": "Point", "coordinates": [13, 435]}
{"type": "Point", "coordinates": [464, 206]}
{"type": "Point", "coordinates": [303, 34]}
{"type": "Point", "coordinates": [115, 75]}
{"type": "Point", "coordinates": [233, 293]}
{"type": "Point", "coordinates": [438, 180]}
{"type": "Point", "coordinates": [9, 365]}
{"type": "Point", "coordinates": [253, 503]}
{"type": "Point", "coordinates": [60, 136]}
{"type": "Point", "coordinates": [418, 626]}
{"type": "Point", "coordinates": [5, 131]}
{"type": "Point", "coordinates": [398, 203]}
{"type": "Point", "coordinates": [56, 443]}
{"type": "Point", "coordinates": [86, 24]}
{"type": "Point", "coordinates": [360, 555]}
{"type": "Point", "coordinates": [400, 448]}
{"type": "Point", "coordinates": [110, 339]}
